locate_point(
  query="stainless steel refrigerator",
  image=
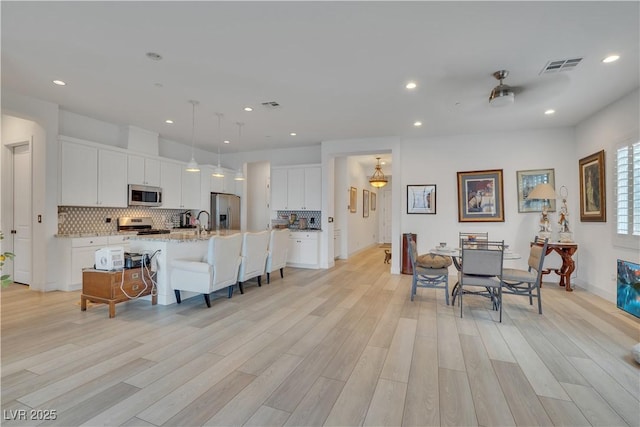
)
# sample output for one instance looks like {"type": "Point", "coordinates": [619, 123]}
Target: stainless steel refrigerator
{"type": "Point", "coordinates": [225, 211]}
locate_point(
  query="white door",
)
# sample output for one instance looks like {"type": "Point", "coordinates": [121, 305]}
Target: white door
{"type": "Point", "coordinates": [386, 215]}
{"type": "Point", "coordinates": [22, 214]}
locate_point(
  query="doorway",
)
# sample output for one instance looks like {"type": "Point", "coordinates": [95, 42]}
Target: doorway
{"type": "Point", "coordinates": [21, 215]}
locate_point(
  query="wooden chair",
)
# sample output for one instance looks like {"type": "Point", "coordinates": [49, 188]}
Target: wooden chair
{"type": "Point", "coordinates": [527, 282]}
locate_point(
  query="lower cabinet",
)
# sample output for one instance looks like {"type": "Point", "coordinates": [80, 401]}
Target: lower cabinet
{"type": "Point", "coordinates": [303, 249]}
{"type": "Point", "coordinates": [77, 253]}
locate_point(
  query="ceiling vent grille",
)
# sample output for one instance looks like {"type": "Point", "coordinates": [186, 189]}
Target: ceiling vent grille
{"type": "Point", "coordinates": [561, 65]}
{"type": "Point", "coordinates": [270, 104]}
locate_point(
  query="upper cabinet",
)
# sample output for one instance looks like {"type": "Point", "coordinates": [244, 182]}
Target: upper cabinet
{"type": "Point", "coordinates": [296, 188]}
{"type": "Point", "coordinates": [91, 176]}
{"type": "Point", "coordinates": [143, 170]}
{"type": "Point", "coordinates": [171, 183]}
{"type": "Point", "coordinates": [190, 190]}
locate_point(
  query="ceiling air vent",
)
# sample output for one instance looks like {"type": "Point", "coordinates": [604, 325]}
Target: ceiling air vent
{"type": "Point", "coordinates": [561, 65]}
{"type": "Point", "coordinates": [270, 104]}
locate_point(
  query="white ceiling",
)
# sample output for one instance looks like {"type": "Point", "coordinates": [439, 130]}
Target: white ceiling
{"type": "Point", "coordinates": [337, 69]}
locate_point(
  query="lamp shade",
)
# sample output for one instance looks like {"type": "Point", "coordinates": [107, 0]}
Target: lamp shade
{"type": "Point", "coordinates": [543, 192]}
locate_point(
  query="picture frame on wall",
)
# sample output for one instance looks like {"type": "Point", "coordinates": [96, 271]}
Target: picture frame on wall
{"type": "Point", "coordinates": [527, 181]}
{"type": "Point", "coordinates": [593, 205]}
{"type": "Point", "coordinates": [421, 199]}
{"type": "Point", "coordinates": [365, 203]}
{"type": "Point", "coordinates": [353, 200]}
{"type": "Point", "coordinates": [480, 196]}
{"type": "Point", "coordinates": [373, 201]}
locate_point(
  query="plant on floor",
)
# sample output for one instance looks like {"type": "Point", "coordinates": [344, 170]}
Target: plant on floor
{"type": "Point", "coordinates": [5, 279]}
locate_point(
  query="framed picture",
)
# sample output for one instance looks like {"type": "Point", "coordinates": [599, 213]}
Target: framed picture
{"type": "Point", "coordinates": [527, 181]}
{"type": "Point", "coordinates": [421, 199]}
{"type": "Point", "coordinates": [373, 201]}
{"type": "Point", "coordinates": [365, 203]}
{"type": "Point", "coordinates": [593, 206]}
{"type": "Point", "coordinates": [353, 199]}
{"type": "Point", "coordinates": [480, 196]}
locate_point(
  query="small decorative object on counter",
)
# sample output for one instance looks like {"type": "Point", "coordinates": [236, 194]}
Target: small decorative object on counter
{"type": "Point", "coordinates": [565, 233]}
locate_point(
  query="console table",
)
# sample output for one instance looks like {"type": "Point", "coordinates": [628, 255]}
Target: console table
{"type": "Point", "coordinates": [566, 251]}
{"type": "Point", "coordinates": [110, 287]}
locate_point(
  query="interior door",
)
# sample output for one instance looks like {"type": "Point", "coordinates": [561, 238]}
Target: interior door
{"type": "Point", "coordinates": [21, 230]}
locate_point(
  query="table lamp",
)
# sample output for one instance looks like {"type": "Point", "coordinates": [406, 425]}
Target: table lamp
{"type": "Point", "coordinates": [544, 192]}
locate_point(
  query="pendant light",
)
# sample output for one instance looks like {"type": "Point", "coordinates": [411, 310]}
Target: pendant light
{"type": "Point", "coordinates": [239, 175]}
{"type": "Point", "coordinates": [218, 172]}
{"type": "Point", "coordinates": [378, 179]}
{"type": "Point", "coordinates": [192, 166]}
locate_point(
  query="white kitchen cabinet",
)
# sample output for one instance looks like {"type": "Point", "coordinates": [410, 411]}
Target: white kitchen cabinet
{"type": "Point", "coordinates": [171, 183]}
{"type": "Point", "coordinates": [303, 249]}
{"type": "Point", "coordinates": [90, 176]}
{"type": "Point", "coordinates": [143, 170]}
{"type": "Point", "coordinates": [279, 189]}
{"type": "Point", "coordinates": [112, 179]}
{"type": "Point", "coordinates": [296, 188]}
{"type": "Point", "coordinates": [78, 174]}
{"type": "Point", "coordinates": [190, 190]}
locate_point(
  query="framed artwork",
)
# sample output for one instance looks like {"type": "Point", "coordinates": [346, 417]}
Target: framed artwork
{"type": "Point", "coordinates": [527, 181]}
{"type": "Point", "coordinates": [480, 196]}
{"type": "Point", "coordinates": [353, 199]}
{"type": "Point", "coordinates": [365, 203]}
{"type": "Point", "coordinates": [421, 199]}
{"type": "Point", "coordinates": [373, 201]}
{"type": "Point", "coordinates": [593, 206]}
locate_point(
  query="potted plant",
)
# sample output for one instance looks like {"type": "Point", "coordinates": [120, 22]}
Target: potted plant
{"type": "Point", "coordinates": [5, 279]}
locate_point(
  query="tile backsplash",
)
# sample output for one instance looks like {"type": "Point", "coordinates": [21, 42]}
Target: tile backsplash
{"type": "Point", "coordinates": [308, 215]}
{"type": "Point", "coordinates": [74, 220]}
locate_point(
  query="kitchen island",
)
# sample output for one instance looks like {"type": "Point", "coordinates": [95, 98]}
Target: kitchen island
{"type": "Point", "coordinates": [167, 247]}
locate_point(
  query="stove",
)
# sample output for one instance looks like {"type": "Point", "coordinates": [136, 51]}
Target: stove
{"type": "Point", "coordinates": [143, 225]}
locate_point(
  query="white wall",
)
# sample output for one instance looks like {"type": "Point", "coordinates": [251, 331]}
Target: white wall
{"type": "Point", "coordinates": [40, 121]}
{"type": "Point", "coordinates": [598, 254]}
{"type": "Point", "coordinates": [362, 232]}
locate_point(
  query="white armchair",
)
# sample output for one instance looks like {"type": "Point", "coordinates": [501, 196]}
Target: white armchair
{"type": "Point", "coordinates": [277, 257]}
{"type": "Point", "coordinates": [219, 269]}
{"type": "Point", "coordinates": [254, 254]}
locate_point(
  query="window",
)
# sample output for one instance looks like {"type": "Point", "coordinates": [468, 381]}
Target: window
{"type": "Point", "coordinates": [627, 183]}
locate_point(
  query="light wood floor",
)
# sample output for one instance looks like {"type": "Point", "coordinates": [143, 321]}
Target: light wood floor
{"type": "Point", "coordinates": [339, 347]}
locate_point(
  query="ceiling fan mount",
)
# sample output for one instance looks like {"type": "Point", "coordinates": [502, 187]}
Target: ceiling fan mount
{"type": "Point", "coordinates": [502, 94]}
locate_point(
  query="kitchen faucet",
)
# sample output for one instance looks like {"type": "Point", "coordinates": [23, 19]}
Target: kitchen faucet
{"type": "Point", "coordinates": [208, 218]}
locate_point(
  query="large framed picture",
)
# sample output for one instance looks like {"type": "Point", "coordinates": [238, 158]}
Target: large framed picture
{"type": "Point", "coordinates": [373, 201]}
{"type": "Point", "coordinates": [593, 206]}
{"type": "Point", "coordinates": [527, 181]}
{"type": "Point", "coordinates": [365, 203]}
{"type": "Point", "coordinates": [480, 196]}
{"type": "Point", "coordinates": [353, 199]}
{"type": "Point", "coordinates": [421, 199]}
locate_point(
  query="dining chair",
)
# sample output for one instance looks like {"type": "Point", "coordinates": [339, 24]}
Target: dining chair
{"type": "Point", "coordinates": [218, 269]}
{"type": "Point", "coordinates": [477, 237]}
{"type": "Point", "coordinates": [435, 276]}
{"type": "Point", "coordinates": [255, 248]}
{"type": "Point", "coordinates": [277, 257]}
{"type": "Point", "coordinates": [526, 282]}
{"type": "Point", "coordinates": [482, 267]}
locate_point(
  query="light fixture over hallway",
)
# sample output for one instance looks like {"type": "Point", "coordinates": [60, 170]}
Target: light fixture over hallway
{"type": "Point", "coordinates": [192, 166]}
{"type": "Point", "coordinates": [378, 179]}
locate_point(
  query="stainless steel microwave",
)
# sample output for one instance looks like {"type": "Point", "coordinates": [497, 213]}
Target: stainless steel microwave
{"type": "Point", "coordinates": [144, 195]}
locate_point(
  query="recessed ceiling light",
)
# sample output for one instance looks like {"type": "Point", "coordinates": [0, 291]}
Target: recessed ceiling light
{"type": "Point", "coordinates": [154, 56]}
{"type": "Point", "coordinates": [226, 141]}
{"type": "Point", "coordinates": [611, 58]}
{"type": "Point", "coordinates": [169, 121]}
{"type": "Point", "coordinates": [59, 82]}
{"type": "Point", "coordinates": [417, 124]}
{"type": "Point", "coordinates": [248, 109]}
{"type": "Point", "coordinates": [549, 112]}
{"type": "Point", "coordinates": [411, 85]}
{"type": "Point", "coordinates": [293, 134]}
